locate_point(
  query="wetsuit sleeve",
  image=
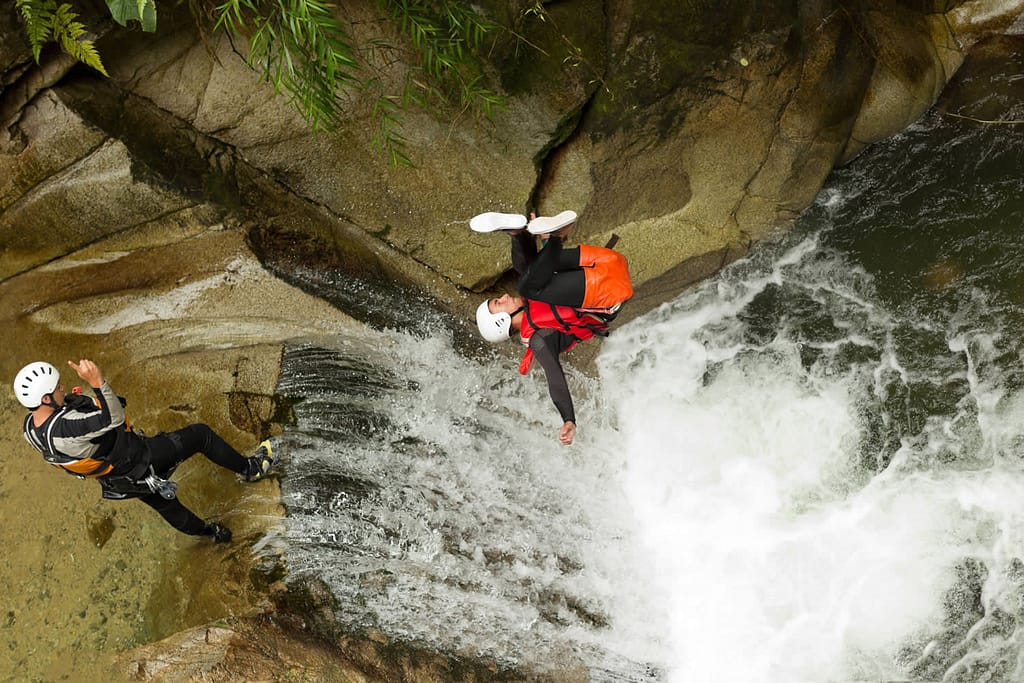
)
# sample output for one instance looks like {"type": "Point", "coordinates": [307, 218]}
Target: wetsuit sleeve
{"type": "Point", "coordinates": [524, 251]}
{"type": "Point", "coordinates": [74, 434]}
{"type": "Point", "coordinates": [110, 404]}
{"type": "Point", "coordinates": [547, 345]}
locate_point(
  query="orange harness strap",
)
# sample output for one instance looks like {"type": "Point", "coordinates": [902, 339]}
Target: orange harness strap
{"type": "Point", "coordinates": [87, 467]}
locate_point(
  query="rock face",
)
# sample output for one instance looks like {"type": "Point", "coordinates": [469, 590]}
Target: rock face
{"type": "Point", "coordinates": [691, 130]}
{"type": "Point", "coordinates": [189, 327]}
{"type": "Point", "coordinates": [221, 654]}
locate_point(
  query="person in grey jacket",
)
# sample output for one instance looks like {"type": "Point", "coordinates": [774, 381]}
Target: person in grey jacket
{"type": "Point", "coordinates": [91, 439]}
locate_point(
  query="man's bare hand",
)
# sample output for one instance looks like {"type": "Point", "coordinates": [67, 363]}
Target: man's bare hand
{"type": "Point", "coordinates": [88, 371]}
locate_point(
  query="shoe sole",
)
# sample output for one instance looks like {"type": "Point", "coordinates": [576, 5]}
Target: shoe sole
{"type": "Point", "coordinates": [492, 221]}
{"type": "Point", "coordinates": [548, 224]}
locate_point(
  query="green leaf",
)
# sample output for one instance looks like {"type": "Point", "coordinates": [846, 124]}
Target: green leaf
{"type": "Point", "coordinates": [142, 11]}
{"type": "Point", "coordinates": [148, 12]}
{"type": "Point", "coordinates": [123, 11]}
{"type": "Point", "coordinates": [303, 51]}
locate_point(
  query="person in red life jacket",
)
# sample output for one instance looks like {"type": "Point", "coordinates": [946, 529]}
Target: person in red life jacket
{"type": "Point", "coordinates": [91, 439]}
{"type": "Point", "coordinates": [568, 296]}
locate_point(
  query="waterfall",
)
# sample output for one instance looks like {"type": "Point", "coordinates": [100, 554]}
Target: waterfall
{"type": "Point", "coordinates": [802, 526]}
{"type": "Point", "coordinates": [824, 446]}
{"type": "Point", "coordinates": [810, 468]}
{"type": "Point", "coordinates": [430, 492]}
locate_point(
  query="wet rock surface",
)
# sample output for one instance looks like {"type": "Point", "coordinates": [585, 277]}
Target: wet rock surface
{"type": "Point", "coordinates": [690, 131]}
{"type": "Point", "coordinates": [189, 327]}
{"type": "Point", "coordinates": [265, 649]}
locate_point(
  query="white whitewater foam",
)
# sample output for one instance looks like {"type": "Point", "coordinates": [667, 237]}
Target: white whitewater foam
{"type": "Point", "coordinates": [780, 560]}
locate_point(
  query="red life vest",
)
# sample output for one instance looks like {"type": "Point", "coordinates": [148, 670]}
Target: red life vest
{"type": "Point", "coordinates": [607, 286]}
{"type": "Point", "coordinates": [538, 315]}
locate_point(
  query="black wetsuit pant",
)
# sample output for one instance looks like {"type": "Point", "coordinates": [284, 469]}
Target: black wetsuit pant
{"type": "Point", "coordinates": [168, 450]}
{"type": "Point", "coordinates": [553, 275]}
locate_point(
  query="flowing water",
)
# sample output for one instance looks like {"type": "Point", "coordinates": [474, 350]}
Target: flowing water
{"type": "Point", "coordinates": [429, 492]}
{"type": "Point", "coordinates": [809, 469]}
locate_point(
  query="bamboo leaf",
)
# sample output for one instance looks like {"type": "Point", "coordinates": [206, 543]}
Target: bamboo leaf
{"type": "Point", "coordinates": [303, 51]}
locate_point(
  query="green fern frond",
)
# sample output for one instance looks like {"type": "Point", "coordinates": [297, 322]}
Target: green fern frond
{"type": "Point", "coordinates": [38, 18]}
{"type": "Point", "coordinates": [68, 33]}
{"type": "Point", "coordinates": [46, 22]}
{"type": "Point", "coordinates": [85, 52]}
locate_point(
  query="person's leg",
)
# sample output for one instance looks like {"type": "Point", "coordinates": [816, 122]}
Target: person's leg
{"type": "Point", "coordinates": [568, 259]}
{"type": "Point", "coordinates": [555, 277]}
{"type": "Point", "coordinates": [564, 289]}
{"type": "Point", "coordinates": [169, 449]}
{"type": "Point", "coordinates": [177, 515]}
{"type": "Point", "coordinates": [524, 251]}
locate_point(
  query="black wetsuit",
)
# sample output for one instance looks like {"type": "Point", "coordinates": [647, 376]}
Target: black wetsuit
{"type": "Point", "coordinates": [167, 450]}
{"type": "Point", "coordinates": [81, 430]}
{"type": "Point", "coordinates": [552, 275]}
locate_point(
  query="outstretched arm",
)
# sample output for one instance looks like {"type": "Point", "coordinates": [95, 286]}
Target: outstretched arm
{"type": "Point", "coordinates": [111, 412]}
{"type": "Point", "coordinates": [546, 346]}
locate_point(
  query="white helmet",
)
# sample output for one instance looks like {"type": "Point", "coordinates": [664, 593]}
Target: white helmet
{"type": "Point", "coordinates": [494, 327]}
{"type": "Point", "coordinates": [34, 381]}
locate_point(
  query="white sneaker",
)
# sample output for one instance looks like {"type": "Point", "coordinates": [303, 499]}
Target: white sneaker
{"type": "Point", "coordinates": [543, 225]}
{"type": "Point", "coordinates": [492, 220]}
